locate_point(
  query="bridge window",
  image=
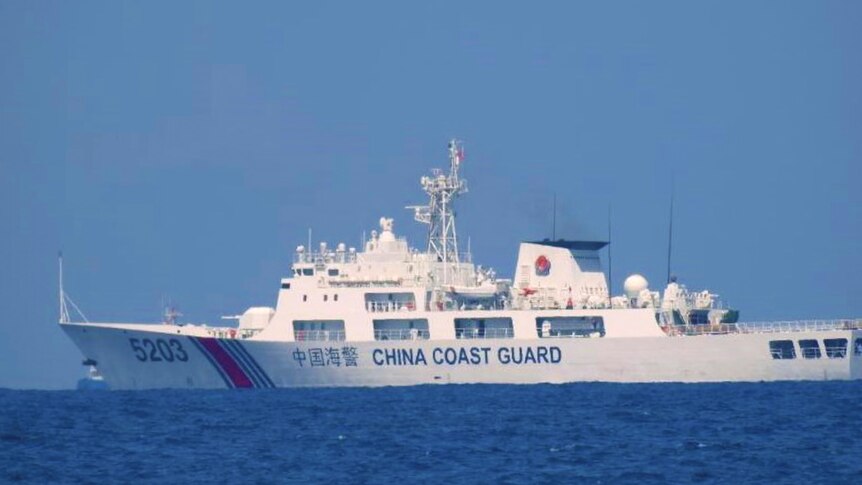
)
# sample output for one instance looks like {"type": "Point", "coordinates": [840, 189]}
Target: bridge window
{"type": "Point", "coordinates": [698, 317]}
{"type": "Point", "coordinates": [570, 327]}
{"type": "Point", "coordinates": [467, 328]}
{"type": "Point", "coordinates": [390, 302]}
{"type": "Point", "coordinates": [308, 271]}
{"type": "Point", "coordinates": [332, 272]}
{"type": "Point", "coordinates": [836, 348]}
{"type": "Point", "coordinates": [306, 330]}
{"type": "Point", "coordinates": [285, 286]}
{"type": "Point", "coordinates": [401, 329]}
{"type": "Point", "coordinates": [810, 349]}
{"type": "Point", "coordinates": [782, 349]}
{"type": "Point", "coordinates": [857, 347]}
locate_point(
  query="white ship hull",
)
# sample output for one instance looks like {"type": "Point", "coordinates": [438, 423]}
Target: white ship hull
{"type": "Point", "coordinates": [141, 359]}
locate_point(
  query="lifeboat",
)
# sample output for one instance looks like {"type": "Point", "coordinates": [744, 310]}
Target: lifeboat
{"type": "Point", "coordinates": [482, 291]}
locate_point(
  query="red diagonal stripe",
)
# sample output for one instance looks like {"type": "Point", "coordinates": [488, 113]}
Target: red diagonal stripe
{"type": "Point", "coordinates": [226, 362]}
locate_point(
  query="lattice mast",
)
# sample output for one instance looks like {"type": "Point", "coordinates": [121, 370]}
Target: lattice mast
{"type": "Point", "coordinates": [439, 214]}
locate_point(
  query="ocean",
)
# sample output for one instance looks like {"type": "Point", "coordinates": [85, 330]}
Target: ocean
{"type": "Point", "coordinates": [800, 432]}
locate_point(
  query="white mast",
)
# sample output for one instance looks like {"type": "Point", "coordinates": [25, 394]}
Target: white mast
{"type": "Point", "coordinates": [439, 214]}
{"type": "Point", "coordinates": [64, 312]}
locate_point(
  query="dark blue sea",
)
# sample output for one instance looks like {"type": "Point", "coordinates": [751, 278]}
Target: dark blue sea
{"type": "Point", "coordinates": [580, 433]}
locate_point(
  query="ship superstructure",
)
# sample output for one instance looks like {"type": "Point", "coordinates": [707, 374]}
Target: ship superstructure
{"type": "Point", "coordinates": [389, 314]}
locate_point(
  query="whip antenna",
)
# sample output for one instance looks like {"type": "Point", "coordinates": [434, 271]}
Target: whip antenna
{"type": "Point", "coordinates": [554, 220]}
{"type": "Point", "coordinates": [610, 260]}
{"type": "Point", "coordinates": [670, 229]}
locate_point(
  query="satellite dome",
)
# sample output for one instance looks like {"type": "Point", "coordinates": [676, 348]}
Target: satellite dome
{"type": "Point", "coordinates": [634, 284]}
{"type": "Point", "coordinates": [386, 234]}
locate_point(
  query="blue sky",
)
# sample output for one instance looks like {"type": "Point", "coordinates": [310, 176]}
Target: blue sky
{"type": "Point", "coordinates": [182, 149]}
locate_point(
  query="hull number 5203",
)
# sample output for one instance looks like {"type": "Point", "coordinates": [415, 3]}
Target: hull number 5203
{"type": "Point", "coordinates": [158, 350]}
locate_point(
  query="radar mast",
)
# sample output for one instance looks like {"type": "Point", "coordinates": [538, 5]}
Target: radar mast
{"type": "Point", "coordinates": [439, 214]}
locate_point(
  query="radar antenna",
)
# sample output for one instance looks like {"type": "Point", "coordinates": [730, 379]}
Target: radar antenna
{"type": "Point", "coordinates": [171, 315]}
{"type": "Point", "coordinates": [439, 214]}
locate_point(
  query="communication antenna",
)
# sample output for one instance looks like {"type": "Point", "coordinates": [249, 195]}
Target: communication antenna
{"type": "Point", "coordinates": [171, 314]}
{"type": "Point", "coordinates": [554, 220]}
{"type": "Point", "coordinates": [443, 189]}
{"type": "Point", "coordinates": [670, 229]}
{"type": "Point", "coordinates": [610, 261]}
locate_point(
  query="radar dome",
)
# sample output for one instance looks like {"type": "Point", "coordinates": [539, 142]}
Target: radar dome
{"type": "Point", "coordinates": [634, 284]}
{"type": "Point", "coordinates": [386, 234]}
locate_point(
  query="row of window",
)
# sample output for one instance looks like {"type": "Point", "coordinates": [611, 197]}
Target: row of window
{"type": "Point", "coordinates": [388, 302]}
{"type": "Point", "coordinates": [465, 328]}
{"type": "Point", "coordinates": [325, 297]}
{"type": "Point", "coordinates": [835, 348]}
{"type": "Point", "coordinates": [310, 272]}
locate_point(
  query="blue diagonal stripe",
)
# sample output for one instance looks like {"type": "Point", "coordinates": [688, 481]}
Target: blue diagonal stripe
{"type": "Point", "coordinates": [226, 345]}
{"type": "Point", "coordinates": [255, 364]}
{"type": "Point", "coordinates": [246, 363]}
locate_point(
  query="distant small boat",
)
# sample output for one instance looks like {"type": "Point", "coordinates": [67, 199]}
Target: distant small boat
{"type": "Point", "coordinates": [94, 380]}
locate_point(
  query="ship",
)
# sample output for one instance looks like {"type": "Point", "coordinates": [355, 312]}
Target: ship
{"type": "Point", "coordinates": [94, 380]}
{"type": "Point", "coordinates": [388, 314]}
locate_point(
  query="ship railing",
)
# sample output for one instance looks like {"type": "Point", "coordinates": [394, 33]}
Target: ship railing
{"type": "Point", "coordinates": [390, 306]}
{"type": "Point", "coordinates": [701, 329]}
{"type": "Point", "coordinates": [479, 333]}
{"type": "Point", "coordinates": [779, 354]}
{"type": "Point", "coordinates": [811, 353]}
{"type": "Point", "coordinates": [318, 258]}
{"type": "Point", "coordinates": [401, 334]}
{"type": "Point", "coordinates": [571, 334]}
{"type": "Point", "coordinates": [230, 332]}
{"type": "Point", "coordinates": [800, 326]}
{"type": "Point", "coordinates": [318, 335]}
{"type": "Point", "coordinates": [836, 351]}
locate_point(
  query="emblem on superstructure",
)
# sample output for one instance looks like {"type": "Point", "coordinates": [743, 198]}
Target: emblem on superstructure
{"type": "Point", "coordinates": [543, 266]}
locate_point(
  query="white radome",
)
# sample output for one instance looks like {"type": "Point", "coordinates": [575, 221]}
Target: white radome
{"type": "Point", "coordinates": [634, 285]}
